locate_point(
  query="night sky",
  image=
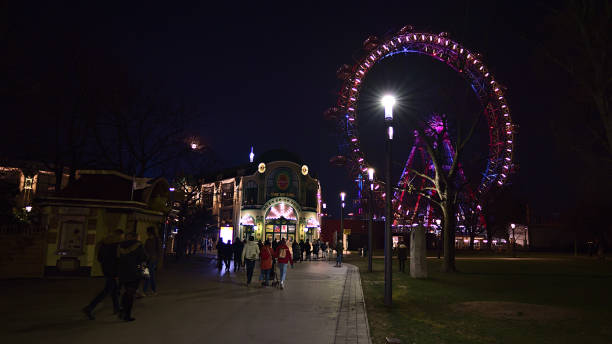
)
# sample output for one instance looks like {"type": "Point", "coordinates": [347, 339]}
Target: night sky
{"type": "Point", "coordinates": [262, 75]}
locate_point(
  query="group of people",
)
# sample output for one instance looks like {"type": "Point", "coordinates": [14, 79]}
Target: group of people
{"type": "Point", "coordinates": [124, 259]}
{"type": "Point", "coordinates": [305, 250]}
{"type": "Point", "coordinates": [228, 251]}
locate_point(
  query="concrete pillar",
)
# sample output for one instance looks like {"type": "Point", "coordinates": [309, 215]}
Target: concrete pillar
{"type": "Point", "coordinates": [418, 253]}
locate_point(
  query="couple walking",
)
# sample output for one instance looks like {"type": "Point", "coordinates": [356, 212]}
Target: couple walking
{"type": "Point", "coordinates": [267, 255]}
{"type": "Point", "coordinates": [122, 260]}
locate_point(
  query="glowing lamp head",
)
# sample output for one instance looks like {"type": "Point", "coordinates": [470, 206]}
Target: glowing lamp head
{"type": "Point", "coordinates": [438, 221]}
{"type": "Point", "coordinates": [194, 145]}
{"type": "Point", "coordinates": [512, 225]}
{"type": "Point", "coordinates": [171, 189]}
{"type": "Point", "coordinates": [388, 101]}
{"type": "Point", "coordinates": [324, 205]}
{"type": "Point", "coordinates": [342, 195]}
{"type": "Point", "coordinates": [371, 174]}
{"type": "Point", "coordinates": [28, 208]}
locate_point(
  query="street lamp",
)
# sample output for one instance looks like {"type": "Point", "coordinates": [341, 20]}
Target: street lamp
{"type": "Point", "coordinates": [388, 101]}
{"type": "Point", "coordinates": [342, 195]}
{"type": "Point", "coordinates": [370, 246]}
{"type": "Point", "coordinates": [438, 222]}
{"type": "Point", "coordinates": [512, 225]}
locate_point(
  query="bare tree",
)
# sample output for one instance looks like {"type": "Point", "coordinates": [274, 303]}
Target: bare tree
{"type": "Point", "coordinates": [445, 183]}
{"type": "Point", "coordinates": [582, 48]}
{"type": "Point", "coordinates": [140, 136]}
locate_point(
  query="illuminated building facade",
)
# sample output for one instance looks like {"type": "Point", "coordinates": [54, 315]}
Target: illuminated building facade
{"type": "Point", "coordinates": [275, 196]}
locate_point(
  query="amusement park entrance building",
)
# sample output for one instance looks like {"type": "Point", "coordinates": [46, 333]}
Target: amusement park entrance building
{"type": "Point", "coordinates": [273, 197]}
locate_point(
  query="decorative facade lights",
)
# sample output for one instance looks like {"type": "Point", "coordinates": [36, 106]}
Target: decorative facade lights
{"type": "Point", "coordinates": [281, 210]}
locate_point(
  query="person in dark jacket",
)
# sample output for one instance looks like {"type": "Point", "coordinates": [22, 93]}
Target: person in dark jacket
{"type": "Point", "coordinates": [402, 255]}
{"type": "Point", "coordinates": [308, 249]}
{"type": "Point", "coordinates": [339, 253]}
{"type": "Point", "coordinates": [297, 253]}
{"type": "Point", "coordinates": [227, 254]}
{"type": "Point", "coordinates": [153, 250]}
{"type": "Point", "coordinates": [315, 249]}
{"type": "Point", "coordinates": [107, 256]}
{"type": "Point", "coordinates": [132, 256]}
{"type": "Point", "coordinates": [237, 250]}
{"type": "Point", "coordinates": [302, 250]}
{"type": "Point", "coordinates": [220, 250]}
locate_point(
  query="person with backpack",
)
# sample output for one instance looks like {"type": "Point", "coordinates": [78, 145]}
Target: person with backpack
{"type": "Point", "coordinates": [266, 256]}
{"type": "Point", "coordinates": [249, 256]}
{"type": "Point", "coordinates": [283, 254]}
{"type": "Point", "coordinates": [107, 256]}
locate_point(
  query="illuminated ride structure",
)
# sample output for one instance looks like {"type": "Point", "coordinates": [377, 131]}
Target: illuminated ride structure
{"type": "Point", "coordinates": [489, 91]}
{"type": "Point", "coordinates": [408, 199]}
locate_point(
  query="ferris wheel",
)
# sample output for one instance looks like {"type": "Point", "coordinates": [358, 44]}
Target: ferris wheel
{"type": "Point", "coordinates": [488, 90]}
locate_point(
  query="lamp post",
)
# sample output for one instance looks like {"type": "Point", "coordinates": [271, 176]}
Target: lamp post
{"type": "Point", "coordinates": [370, 244]}
{"type": "Point", "coordinates": [388, 102]}
{"type": "Point", "coordinates": [438, 222]}
{"type": "Point", "coordinates": [342, 195]}
{"type": "Point", "coordinates": [513, 240]}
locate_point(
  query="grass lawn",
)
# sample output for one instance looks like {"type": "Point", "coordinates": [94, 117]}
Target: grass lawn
{"type": "Point", "coordinates": [576, 294]}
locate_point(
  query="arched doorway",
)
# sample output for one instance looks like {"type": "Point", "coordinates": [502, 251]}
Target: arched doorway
{"type": "Point", "coordinates": [281, 221]}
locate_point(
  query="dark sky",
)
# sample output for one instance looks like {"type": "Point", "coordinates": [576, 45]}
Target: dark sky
{"type": "Point", "coordinates": [262, 75]}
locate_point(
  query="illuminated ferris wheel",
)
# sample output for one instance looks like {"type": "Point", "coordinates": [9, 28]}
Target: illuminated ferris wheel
{"type": "Point", "coordinates": [489, 91]}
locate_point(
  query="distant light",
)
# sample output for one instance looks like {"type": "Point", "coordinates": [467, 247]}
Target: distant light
{"type": "Point", "coordinates": [342, 195]}
{"type": "Point", "coordinates": [512, 225]}
{"type": "Point", "coordinates": [371, 174]}
{"type": "Point", "coordinates": [251, 155]}
{"type": "Point", "coordinates": [390, 132]}
{"type": "Point", "coordinates": [324, 205]}
{"type": "Point", "coordinates": [28, 208]}
{"type": "Point", "coordinates": [194, 146]}
{"type": "Point", "coordinates": [171, 189]}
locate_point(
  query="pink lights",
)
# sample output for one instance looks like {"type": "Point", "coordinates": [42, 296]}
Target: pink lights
{"type": "Point", "coordinates": [281, 210]}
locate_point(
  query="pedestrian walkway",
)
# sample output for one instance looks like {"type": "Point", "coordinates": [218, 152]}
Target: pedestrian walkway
{"type": "Point", "coordinates": [320, 304]}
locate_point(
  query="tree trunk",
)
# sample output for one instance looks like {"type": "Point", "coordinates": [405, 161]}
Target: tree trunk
{"type": "Point", "coordinates": [449, 236]}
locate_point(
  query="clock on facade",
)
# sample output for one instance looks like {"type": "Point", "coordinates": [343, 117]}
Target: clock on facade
{"type": "Point", "coordinates": [304, 169]}
{"type": "Point", "coordinates": [261, 168]}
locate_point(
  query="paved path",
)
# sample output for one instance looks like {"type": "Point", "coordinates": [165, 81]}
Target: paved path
{"type": "Point", "coordinates": [320, 304]}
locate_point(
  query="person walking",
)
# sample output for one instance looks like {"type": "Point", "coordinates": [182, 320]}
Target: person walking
{"type": "Point", "coordinates": [339, 253]}
{"type": "Point", "coordinates": [315, 249]}
{"type": "Point", "coordinates": [227, 254]}
{"type": "Point", "coordinates": [220, 251]}
{"type": "Point", "coordinates": [283, 255]}
{"type": "Point", "coordinates": [107, 256]}
{"type": "Point", "coordinates": [275, 244]}
{"type": "Point", "coordinates": [153, 250]}
{"type": "Point", "coordinates": [131, 259]}
{"type": "Point", "coordinates": [237, 250]}
{"type": "Point", "coordinates": [297, 253]}
{"type": "Point", "coordinates": [266, 256]}
{"type": "Point", "coordinates": [308, 249]}
{"type": "Point", "coordinates": [402, 255]}
{"type": "Point", "coordinates": [302, 250]}
{"type": "Point", "coordinates": [249, 256]}
{"type": "Point", "coordinates": [324, 250]}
